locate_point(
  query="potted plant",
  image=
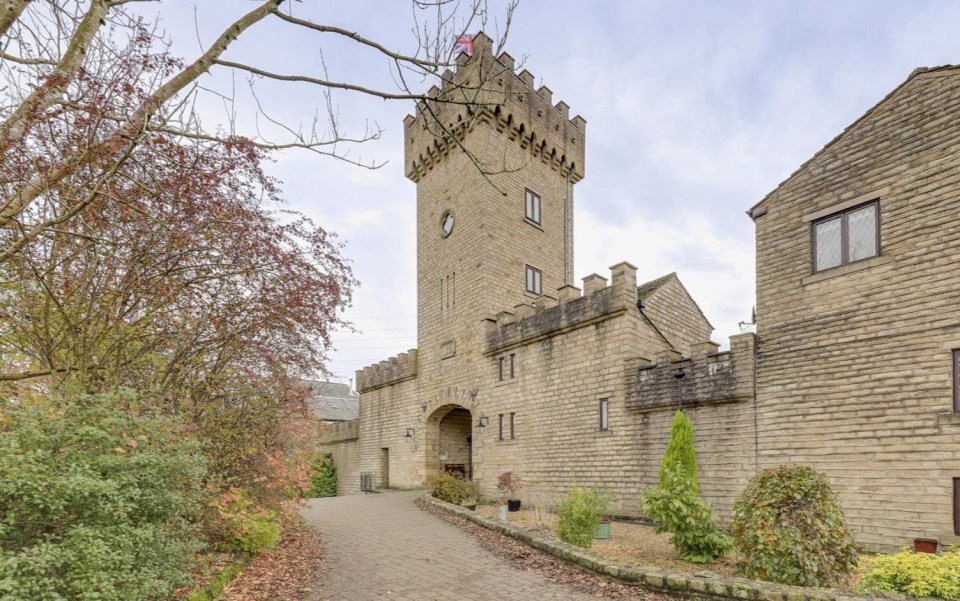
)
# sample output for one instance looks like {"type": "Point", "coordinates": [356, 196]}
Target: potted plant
{"type": "Point", "coordinates": [469, 503]}
{"type": "Point", "coordinates": [508, 485]}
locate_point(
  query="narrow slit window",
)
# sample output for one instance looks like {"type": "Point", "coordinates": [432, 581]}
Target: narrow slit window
{"type": "Point", "coordinates": [956, 380]}
{"type": "Point", "coordinates": [956, 506]}
{"type": "Point", "coordinates": [513, 432]}
{"type": "Point", "coordinates": [604, 415]}
{"type": "Point", "coordinates": [513, 366]}
{"type": "Point", "coordinates": [500, 435]}
{"type": "Point", "coordinates": [534, 280]}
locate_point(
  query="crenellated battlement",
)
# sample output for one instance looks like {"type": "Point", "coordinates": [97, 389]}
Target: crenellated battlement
{"type": "Point", "coordinates": [551, 315]}
{"type": "Point", "coordinates": [340, 432]}
{"type": "Point", "coordinates": [485, 90]}
{"type": "Point", "coordinates": [389, 371]}
{"type": "Point", "coordinates": [709, 376]}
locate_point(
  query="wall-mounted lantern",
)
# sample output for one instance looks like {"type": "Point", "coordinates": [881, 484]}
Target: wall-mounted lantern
{"type": "Point", "coordinates": [410, 433]}
{"type": "Point", "coordinates": [481, 423]}
{"type": "Point", "coordinates": [679, 376]}
{"type": "Point", "coordinates": [423, 406]}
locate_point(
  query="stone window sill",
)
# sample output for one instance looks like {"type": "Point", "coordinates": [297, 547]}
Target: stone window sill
{"type": "Point", "coordinates": [845, 269]}
{"type": "Point", "coordinates": [533, 223]}
{"type": "Point", "coordinates": [948, 419]}
{"type": "Point", "coordinates": [506, 382]}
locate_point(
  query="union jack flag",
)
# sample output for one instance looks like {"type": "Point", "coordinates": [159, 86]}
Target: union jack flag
{"type": "Point", "coordinates": [464, 44]}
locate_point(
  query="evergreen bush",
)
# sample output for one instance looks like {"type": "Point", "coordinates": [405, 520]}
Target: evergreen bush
{"type": "Point", "coordinates": [678, 509]}
{"type": "Point", "coordinates": [788, 527]}
{"type": "Point", "coordinates": [323, 478]}
{"type": "Point", "coordinates": [579, 513]}
{"type": "Point", "coordinates": [917, 574]}
{"type": "Point", "coordinates": [680, 458]}
{"type": "Point", "coordinates": [97, 500]}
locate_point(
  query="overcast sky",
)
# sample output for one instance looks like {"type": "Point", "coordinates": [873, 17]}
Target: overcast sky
{"type": "Point", "coordinates": [695, 111]}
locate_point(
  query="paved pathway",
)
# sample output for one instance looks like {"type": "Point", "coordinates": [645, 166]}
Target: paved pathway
{"type": "Point", "coordinates": [382, 546]}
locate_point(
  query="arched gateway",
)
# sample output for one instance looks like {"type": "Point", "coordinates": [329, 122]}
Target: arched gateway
{"type": "Point", "coordinates": [449, 441]}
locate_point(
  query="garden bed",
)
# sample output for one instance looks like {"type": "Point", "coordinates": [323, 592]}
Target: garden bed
{"type": "Point", "coordinates": [636, 543]}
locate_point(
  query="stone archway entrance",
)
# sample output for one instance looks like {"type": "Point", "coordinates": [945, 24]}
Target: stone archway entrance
{"type": "Point", "coordinates": [449, 445]}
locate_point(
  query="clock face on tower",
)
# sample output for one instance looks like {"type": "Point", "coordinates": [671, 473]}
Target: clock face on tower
{"type": "Point", "coordinates": [446, 223]}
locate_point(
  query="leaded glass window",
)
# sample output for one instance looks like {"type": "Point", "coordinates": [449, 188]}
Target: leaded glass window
{"type": "Point", "coordinates": [847, 237]}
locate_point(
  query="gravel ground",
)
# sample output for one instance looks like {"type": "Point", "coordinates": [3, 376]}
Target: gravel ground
{"type": "Point", "coordinates": [631, 543]}
{"type": "Point", "coordinates": [638, 544]}
{"type": "Point", "coordinates": [556, 570]}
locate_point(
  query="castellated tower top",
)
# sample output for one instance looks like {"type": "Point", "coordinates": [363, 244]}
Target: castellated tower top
{"type": "Point", "coordinates": [486, 90]}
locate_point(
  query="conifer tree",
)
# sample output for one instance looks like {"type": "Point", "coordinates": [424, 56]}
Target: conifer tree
{"type": "Point", "coordinates": [680, 458]}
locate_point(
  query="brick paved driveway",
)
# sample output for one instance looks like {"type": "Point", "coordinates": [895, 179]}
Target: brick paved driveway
{"type": "Point", "coordinates": [382, 547]}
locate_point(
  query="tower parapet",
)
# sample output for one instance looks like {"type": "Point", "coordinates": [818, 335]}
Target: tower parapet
{"type": "Point", "coordinates": [485, 90]}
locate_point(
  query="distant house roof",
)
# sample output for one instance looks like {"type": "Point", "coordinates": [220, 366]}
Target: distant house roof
{"type": "Point", "coordinates": [333, 401]}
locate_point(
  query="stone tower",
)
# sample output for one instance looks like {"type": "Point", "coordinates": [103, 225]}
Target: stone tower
{"type": "Point", "coordinates": [488, 148]}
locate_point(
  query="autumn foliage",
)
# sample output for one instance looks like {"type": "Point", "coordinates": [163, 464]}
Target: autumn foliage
{"type": "Point", "coordinates": [159, 262]}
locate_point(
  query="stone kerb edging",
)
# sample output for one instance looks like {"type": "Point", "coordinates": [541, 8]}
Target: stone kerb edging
{"type": "Point", "coordinates": [699, 584]}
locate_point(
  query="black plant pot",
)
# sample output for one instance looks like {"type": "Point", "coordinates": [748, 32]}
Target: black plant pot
{"type": "Point", "coordinates": [513, 505]}
{"type": "Point", "coordinates": [472, 507]}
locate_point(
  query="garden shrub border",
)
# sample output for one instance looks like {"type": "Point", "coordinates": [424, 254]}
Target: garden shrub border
{"type": "Point", "coordinates": [698, 584]}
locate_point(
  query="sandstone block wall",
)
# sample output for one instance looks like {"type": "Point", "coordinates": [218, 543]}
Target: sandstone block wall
{"type": "Point", "coordinates": [854, 370]}
{"type": "Point", "coordinates": [340, 440]}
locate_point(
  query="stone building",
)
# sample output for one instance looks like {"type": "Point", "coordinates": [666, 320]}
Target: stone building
{"type": "Point", "coordinates": [858, 305]}
{"type": "Point", "coordinates": [516, 368]}
{"type": "Point", "coordinates": [519, 370]}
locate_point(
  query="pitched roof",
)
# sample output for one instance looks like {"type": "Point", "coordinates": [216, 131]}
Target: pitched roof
{"type": "Point", "coordinates": [648, 289]}
{"type": "Point", "coordinates": [645, 290]}
{"type": "Point", "coordinates": [332, 401]}
{"type": "Point", "coordinates": [913, 75]}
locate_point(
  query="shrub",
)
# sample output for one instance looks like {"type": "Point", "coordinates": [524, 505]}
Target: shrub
{"type": "Point", "coordinates": [449, 488]}
{"type": "Point", "coordinates": [579, 513]}
{"type": "Point", "coordinates": [245, 526]}
{"type": "Point", "coordinates": [323, 479]}
{"type": "Point", "coordinates": [680, 458]}
{"type": "Point", "coordinates": [97, 498]}
{"type": "Point", "coordinates": [789, 528]}
{"type": "Point", "coordinates": [677, 508]}
{"type": "Point", "coordinates": [508, 485]}
{"type": "Point", "coordinates": [917, 574]}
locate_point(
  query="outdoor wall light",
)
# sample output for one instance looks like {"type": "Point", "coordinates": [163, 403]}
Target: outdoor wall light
{"type": "Point", "coordinates": [679, 373]}
{"type": "Point", "coordinates": [423, 406]}
{"type": "Point", "coordinates": [481, 423]}
{"type": "Point", "coordinates": [410, 433]}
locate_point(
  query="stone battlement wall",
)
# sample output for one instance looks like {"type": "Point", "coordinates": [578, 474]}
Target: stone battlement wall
{"type": "Point", "coordinates": [343, 431]}
{"type": "Point", "coordinates": [549, 316]}
{"type": "Point", "coordinates": [485, 89]}
{"type": "Point", "coordinates": [389, 371]}
{"type": "Point", "coordinates": [710, 377]}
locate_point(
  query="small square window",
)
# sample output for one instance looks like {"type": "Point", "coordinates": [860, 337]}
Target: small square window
{"type": "Point", "coordinates": [846, 237]}
{"type": "Point", "coordinates": [532, 210]}
{"type": "Point", "coordinates": [534, 280]}
{"type": "Point", "coordinates": [604, 415]}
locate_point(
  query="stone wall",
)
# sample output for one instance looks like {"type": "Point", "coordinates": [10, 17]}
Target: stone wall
{"type": "Point", "coordinates": [709, 377]}
{"type": "Point", "coordinates": [854, 367]}
{"type": "Point", "coordinates": [340, 440]}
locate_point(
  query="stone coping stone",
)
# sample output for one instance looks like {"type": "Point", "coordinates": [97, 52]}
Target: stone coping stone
{"type": "Point", "coordinates": [688, 584]}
